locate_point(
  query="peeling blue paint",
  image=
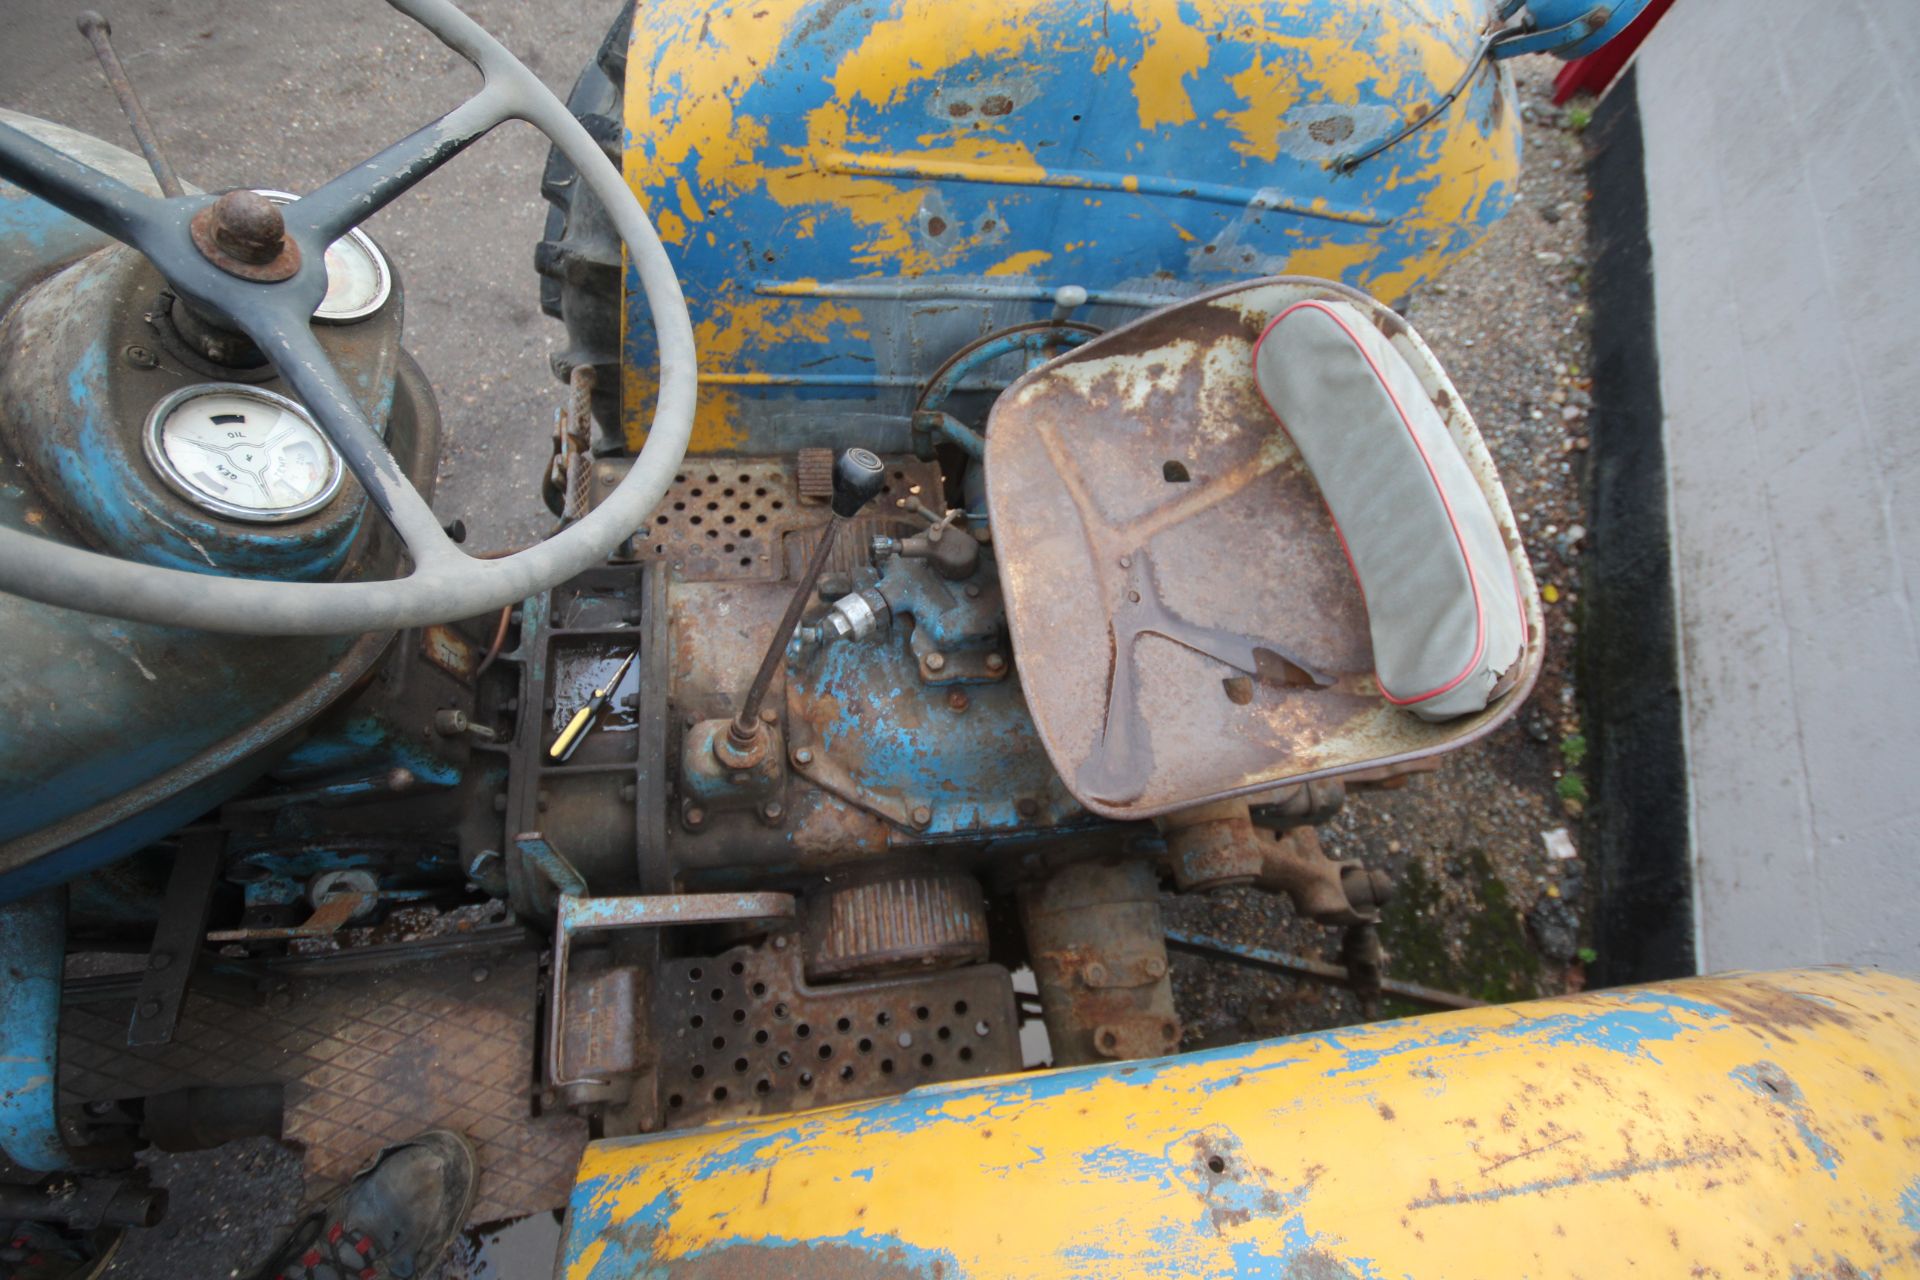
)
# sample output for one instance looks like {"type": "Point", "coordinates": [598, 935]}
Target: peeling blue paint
{"type": "Point", "coordinates": [1773, 1084]}
{"type": "Point", "coordinates": [1115, 207]}
{"type": "Point", "coordinates": [32, 951]}
{"type": "Point", "coordinates": [1910, 1205]}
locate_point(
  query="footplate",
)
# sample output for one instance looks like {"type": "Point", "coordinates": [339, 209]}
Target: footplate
{"type": "Point", "coordinates": [368, 1058]}
{"type": "Point", "coordinates": [742, 1034]}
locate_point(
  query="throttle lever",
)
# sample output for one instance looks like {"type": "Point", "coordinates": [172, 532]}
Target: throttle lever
{"type": "Point", "coordinates": [97, 30]}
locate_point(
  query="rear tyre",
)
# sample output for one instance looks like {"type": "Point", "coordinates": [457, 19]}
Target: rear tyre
{"type": "Point", "coordinates": [579, 256]}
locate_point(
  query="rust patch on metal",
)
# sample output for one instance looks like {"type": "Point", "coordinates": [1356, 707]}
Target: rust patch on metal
{"type": "Point", "coordinates": [809, 1260]}
{"type": "Point", "coordinates": [1778, 1013]}
{"type": "Point", "coordinates": [450, 651]}
{"type": "Point", "coordinates": [747, 519]}
{"type": "Point", "coordinates": [896, 924]}
{"type": "Point", "coordinates": [743, 1034]}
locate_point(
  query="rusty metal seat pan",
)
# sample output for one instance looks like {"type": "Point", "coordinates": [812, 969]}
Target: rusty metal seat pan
{"type": "Point", "coordinates": [1145, 463]}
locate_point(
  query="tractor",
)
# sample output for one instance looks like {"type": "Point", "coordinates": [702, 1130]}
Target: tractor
{"type": "Point", "coordinates": [991, 485]}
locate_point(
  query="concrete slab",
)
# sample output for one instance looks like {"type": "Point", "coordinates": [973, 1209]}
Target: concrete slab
{"type": "Point", "coordinates": [1784, 202]}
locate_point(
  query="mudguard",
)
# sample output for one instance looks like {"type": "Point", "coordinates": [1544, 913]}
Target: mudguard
{"type": "Point", "coordinates": [1763, 1124]}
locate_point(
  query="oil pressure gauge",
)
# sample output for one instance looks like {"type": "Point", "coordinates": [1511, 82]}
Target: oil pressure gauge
{"type": "Point", "coordinates": [242, 452]}
{"type": "Point", "coordinates": [358, 278]}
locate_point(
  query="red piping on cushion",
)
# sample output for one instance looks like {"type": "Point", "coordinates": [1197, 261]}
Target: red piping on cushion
{"type": "Point", "coordinates": [1473, 579]}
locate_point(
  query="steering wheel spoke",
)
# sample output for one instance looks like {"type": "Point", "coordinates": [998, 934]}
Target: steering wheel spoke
{"type": "Point", "coordinates": [287, 340]}
{"type": "Point", "coordinates": [344, 202]}
{"type": "Point", "coordinates": [102, 202]}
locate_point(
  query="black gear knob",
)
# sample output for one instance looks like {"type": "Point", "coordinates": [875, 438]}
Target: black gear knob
{"type": "Point", "coordinates": [858, 478]}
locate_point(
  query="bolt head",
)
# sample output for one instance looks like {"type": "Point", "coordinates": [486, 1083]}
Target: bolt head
{"type": "Point", "coordinates": [936, 662]}
{"type": "Point", "coordinates": [768, 715]}
{"type": "Point", "coordinates": [1096, 972]}
{"type": "Point", "coordinates": [1156, 967]}
{"type": "Point", "coordinates": [803, 756]}
{"type": "Point", "coordinates": [922, 816]}
{"type": "Point", "coordinates": [996, 663]}
{"type": "Point", "coordinates": [957, 700]}
{"type": "Point", "coordinates": [694, 815]}
{"type": "Point", "coordinates": [772, 811]}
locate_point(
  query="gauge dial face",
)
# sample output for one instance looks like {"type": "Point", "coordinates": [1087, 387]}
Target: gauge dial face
{"type": "Point", "coordinates": [358, 279]}
{"type": "Point", "coordinates": [242, 452]}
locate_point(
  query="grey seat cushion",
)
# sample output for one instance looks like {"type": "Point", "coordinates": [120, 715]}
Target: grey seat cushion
{"type": "Point", "coordinates": [1442, 604]}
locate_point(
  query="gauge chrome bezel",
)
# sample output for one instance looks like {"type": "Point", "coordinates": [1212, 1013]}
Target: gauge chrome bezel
{"type": "Point", "coordinates": [374, 255]}
{"type": "Point", "coordinates": [153, 438]}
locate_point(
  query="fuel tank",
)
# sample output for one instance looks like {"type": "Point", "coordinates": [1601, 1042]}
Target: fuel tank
{"type": "Point", "coordinates": [1748, 1124]}
{"type": "Point", "coordinates": [853, 191]}
{"type": "Point", "coordinates": [113, 733]}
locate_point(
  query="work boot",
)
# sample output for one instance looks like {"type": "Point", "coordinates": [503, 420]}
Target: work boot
{"type": "Point", "coordinates": [395, 1220]}
{"type": "Point", "coordinates": [36, 1251]}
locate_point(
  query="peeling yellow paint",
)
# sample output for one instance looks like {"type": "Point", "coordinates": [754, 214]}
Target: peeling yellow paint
{"type": "Point", "coordinates": [1174, 51]}
{"type": "Point", "coordinates": [1750, 1124]}
{"type": "Point", "coordinates": [690, 67]}
{"type": "Point", "coordinates": [1020, 263]}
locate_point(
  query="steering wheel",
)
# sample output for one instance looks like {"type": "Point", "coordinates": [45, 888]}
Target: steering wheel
{"type": "Point", "coordinates": [261, 270]}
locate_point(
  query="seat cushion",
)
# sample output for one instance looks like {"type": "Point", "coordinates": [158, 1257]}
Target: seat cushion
{"type": "Point", "coordinates": [1443, 605]}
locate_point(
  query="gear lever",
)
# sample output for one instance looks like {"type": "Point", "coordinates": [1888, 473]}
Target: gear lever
{"type": "Point", "coordinates": [858, 477]}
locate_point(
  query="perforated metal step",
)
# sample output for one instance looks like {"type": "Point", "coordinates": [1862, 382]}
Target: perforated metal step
{"type": "Point", "coordinates": [743, 1034]}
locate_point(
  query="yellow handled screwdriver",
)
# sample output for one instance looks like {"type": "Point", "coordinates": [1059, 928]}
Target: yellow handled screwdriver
{"type": "Point", "coordinates": [577, 727]}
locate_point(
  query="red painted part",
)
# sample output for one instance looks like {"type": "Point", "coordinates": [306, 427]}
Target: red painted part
{"type": "Point", "coordinates": [1593, 73]}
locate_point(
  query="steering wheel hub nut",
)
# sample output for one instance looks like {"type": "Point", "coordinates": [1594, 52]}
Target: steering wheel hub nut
{"type": "Point", "coordinates": [244, 235]}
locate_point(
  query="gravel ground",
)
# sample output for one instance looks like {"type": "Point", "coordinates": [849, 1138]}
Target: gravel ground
{"type": "Point", "coordinates": [1481, 908]}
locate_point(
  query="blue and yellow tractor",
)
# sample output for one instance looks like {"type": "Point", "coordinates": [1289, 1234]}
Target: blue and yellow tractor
{"type": "Point", "coordinates": [992, 486]}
